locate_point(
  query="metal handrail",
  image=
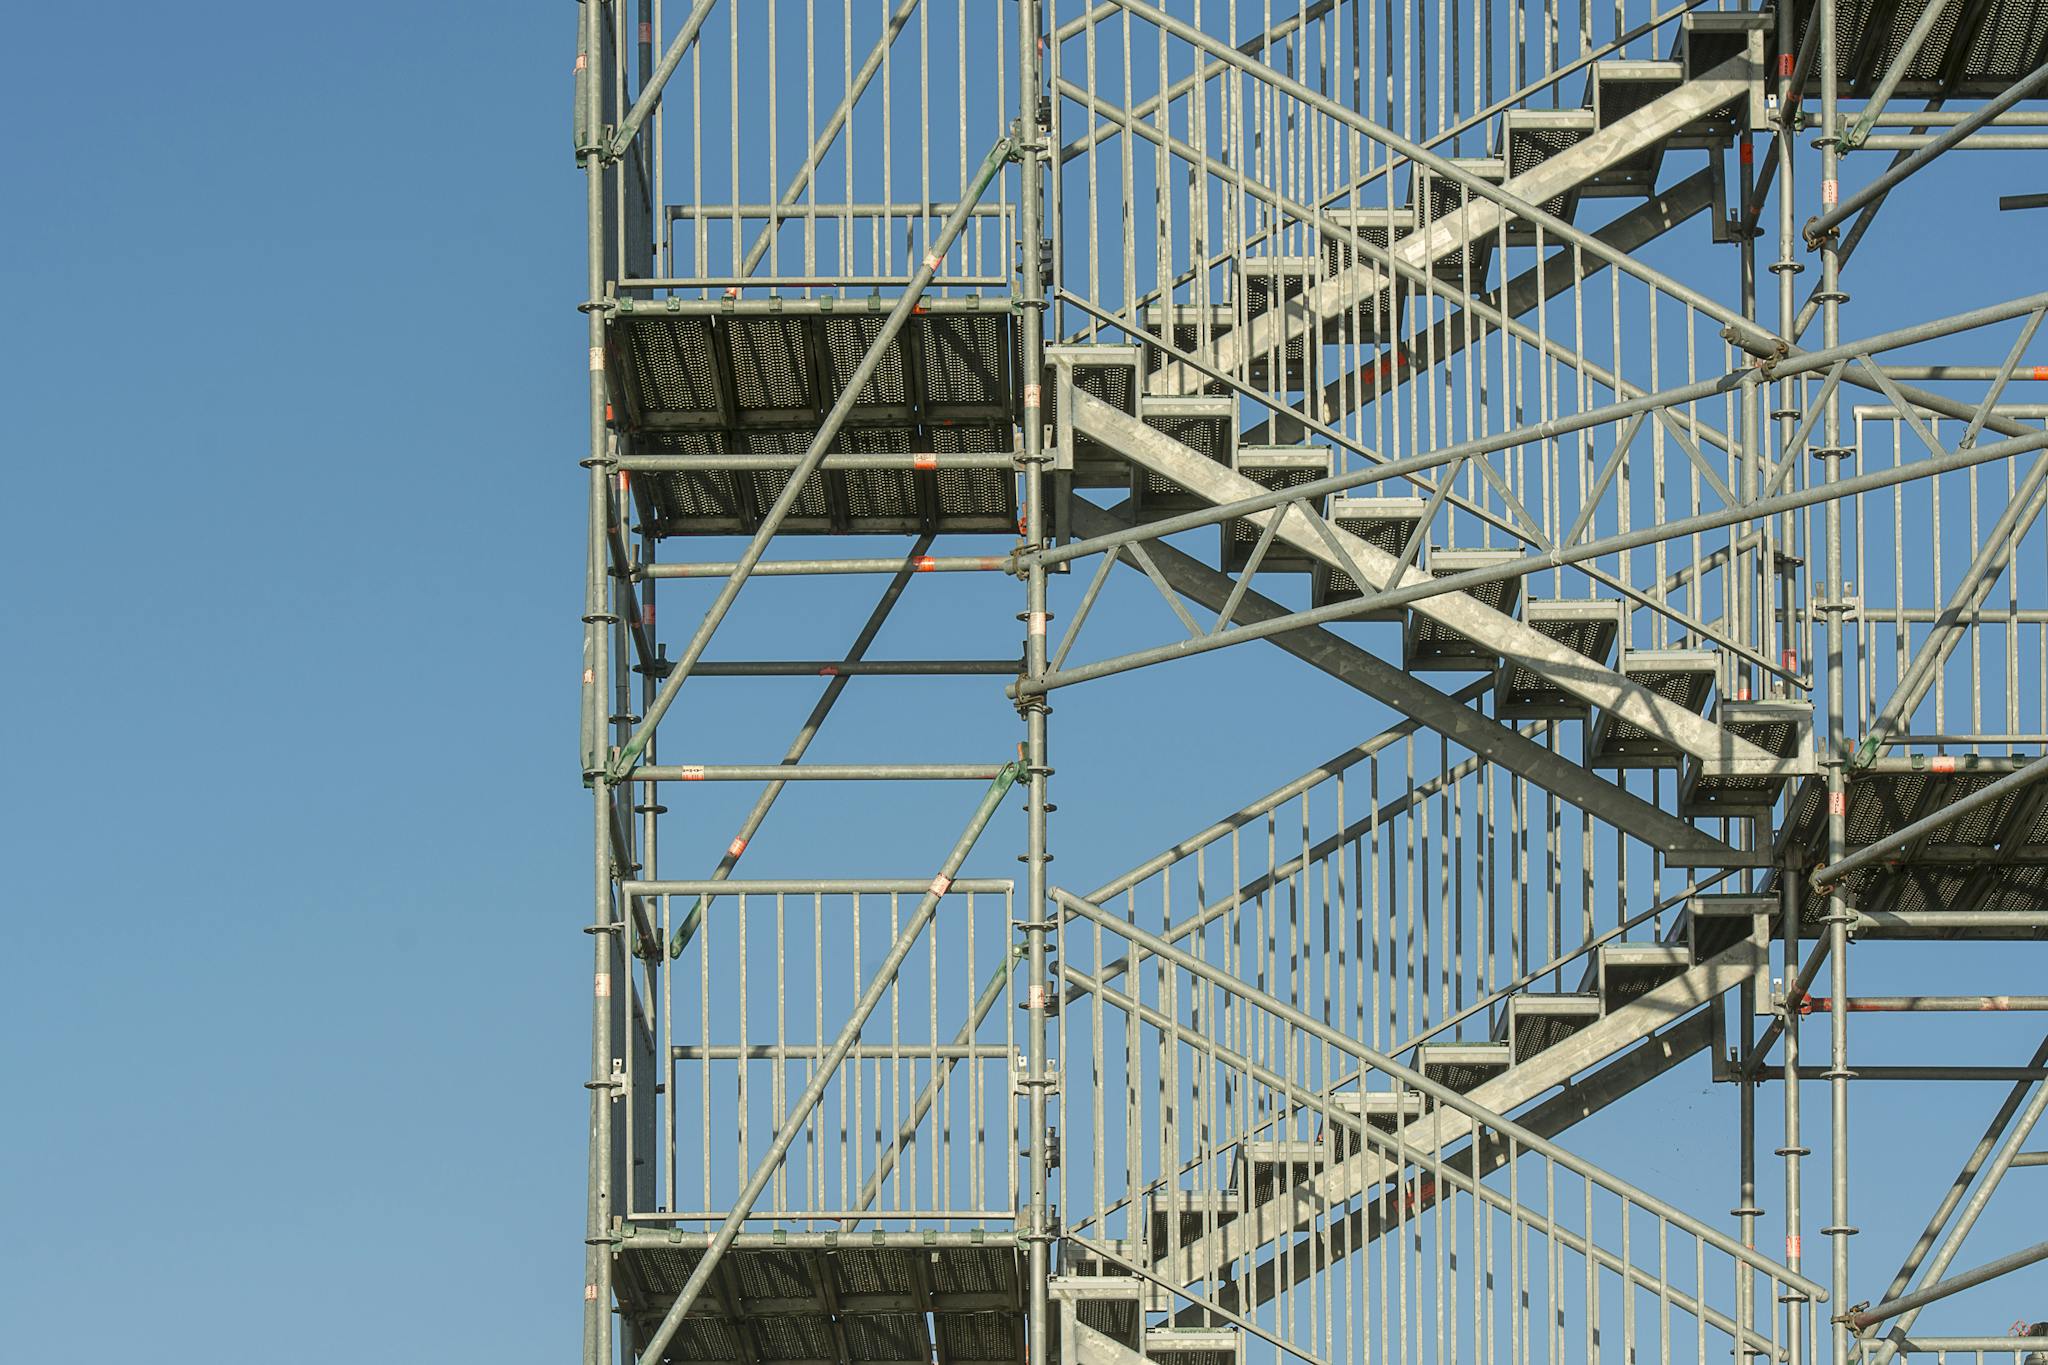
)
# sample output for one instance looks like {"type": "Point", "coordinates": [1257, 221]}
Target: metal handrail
{"type": "Point", "coordinates": [1443, 1095]}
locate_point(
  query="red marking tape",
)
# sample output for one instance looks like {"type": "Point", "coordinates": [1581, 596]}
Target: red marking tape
{"type": "Point", "coordinates": [736, 848]}
{"type": "Point", "coordinates": [691, 773]}
{"type": "Point", "coordinates": [1838, 803]}
{"type": "Point", "coordinates": [829, 671]}
{"type": "Point", "coordinates": [1786, 62]}
{"type": "Point", "coordinates": [927, 461]}
{"type": "Point", "coordinates": [924, 564]}
{"type": "Point", "coordinates": [1942, 763]}
{"type": "Point", "coordinates": [1748, 152]}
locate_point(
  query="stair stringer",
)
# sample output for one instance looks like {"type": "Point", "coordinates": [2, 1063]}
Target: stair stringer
{"type": "Point", "coordinates": [1516, 643]}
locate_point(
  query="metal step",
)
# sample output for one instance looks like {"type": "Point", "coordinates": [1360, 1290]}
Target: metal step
{"type": "Point", "coordinates": [1191, 329]}
{"type": "Point", "coordinates": [1176, 1217]}
{"type": "Point", "coordinates": [1588, 625]}
{"type": "Point", "coordinates": [1264, 1165]}
{"type": "Point", "coordinates": [1206, 425]}
{"type": "Point", "coordinates": [1623, 973]}
{"type": "Point", "coordinates": [1439, 197]}
{"type": "Point", "coordinates": [1538, 1020]}
{"type": "Point", "coordinates": [1463, 1067]}
{"type": "Point", "coordinates": [1709, 38]}
{"type": "Point", "coordinates": [1529, 137]}
{"type": "Point", "coordinates": [1275, 467]}
{"type": "Point", "coordinates": [1716, 922]}
{"type": "Point", "coordinates": [1615, 90]}
{"type": "Point", "coordinates": [702, 387]}
{"type": "Point", "coordinates": [1428, 647]}
{"type": "Point", "coordinates": [1385, 1110]}
{"type": "Point", "coordinates": [1386, 523]}
{"type": "Point", "coordinates": [1083, 1262]}
{"type": "Point", "coordinates": [1263, 280]}
{"type": "Point", "coordinates": [1684, 676]}
{"type": "Point", "coordinates": [1194, 1345]}
{"type": "Point", "coordinates": [1375, 316]}
{"type": "Point", "coordinates": [1107, 372]}
{"type": "Point", "coordinates": [1780, 726]}
{"type": "Point", "coordinates": [1111, 1304]}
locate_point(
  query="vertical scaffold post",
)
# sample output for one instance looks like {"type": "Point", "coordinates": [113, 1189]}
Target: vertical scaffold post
{"type": "Point", "coordinates": [1836, 754]}
{"type": "Point", "coordinates": [591, 83]}
{"type": "Point", "coordinates": [1031, 148]}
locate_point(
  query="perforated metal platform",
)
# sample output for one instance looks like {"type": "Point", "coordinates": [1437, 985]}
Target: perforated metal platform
{"type": "Point", "coordinates": [706, 386]}
{"type": "Point", "coordinates": [1992, 858]}
{"type": "Point", "coordinates": [1975, 50]}
{"type": "Point", "coordinates": [874, 1305]}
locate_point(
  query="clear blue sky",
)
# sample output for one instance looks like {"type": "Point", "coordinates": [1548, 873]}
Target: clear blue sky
{"type": "Point", "coordinates": [293, 997]}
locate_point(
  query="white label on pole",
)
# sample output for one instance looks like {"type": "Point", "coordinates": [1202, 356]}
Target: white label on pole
{"type": "Point", "coordinates": [1035, 622]}
{"type": "Point", "coordinates": [941, 884]}
{"type": "Point", "coordinates": [590, 1293]}
{"type": "Point", "coordinates": [1829, 191]}
{"type": "Point", "coordinates": [596, 359]}
{"type": "Point", "coordinates": [604, 985]}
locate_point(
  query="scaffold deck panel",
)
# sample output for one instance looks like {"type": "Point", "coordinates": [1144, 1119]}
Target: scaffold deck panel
{"type": "Point", "coordinates": [1974, 49]}
{"type": "Point", "coordinates": [806, 1306]}
{"type": "Point", "coordinates": [707, 386]}
{"type": "Point", "coordinates": [1991, 858]}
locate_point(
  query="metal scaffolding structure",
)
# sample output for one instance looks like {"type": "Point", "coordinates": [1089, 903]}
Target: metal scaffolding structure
{"type": "Point", "coordinates": [1461, 351]}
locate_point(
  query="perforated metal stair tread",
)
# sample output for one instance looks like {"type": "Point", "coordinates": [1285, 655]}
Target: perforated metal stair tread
{"type": "Point", "coordinates": [1387, 524]}
{"type": "Point", "coordinates": [1463, 1066]}
{"type": "Point", "coordinates": [1375, 314]}
{"type": "Point", "coordinates": [1622, 973]}
{"type": "Point", "coordinates": [1177, 1217]}
{"type": "Point", "coordinates": [1718, 920]}
{"type": "Point", "coordinates": [1440, 197]}
{"type": "Point", "coordinates": [873, 1305]}
{"type": "Point", "coordinates": [1778, 726]}
{"type": "Point", "coordinates": [1205, 424]}
{"type": "Point", "coordinates": [1530, 137]}
{"type": "Point", "coordinates": [707, 386]}
{"type": "Point", "coordinates": [1274, 467]}
{"type": "Point", "coordinates": [1614, 90]}
{"type": "Point", "coordinates": [1685, 676]}
{"type": "Point", "coordinates": [1111, 1304]}
{"type": "Point", "coordinates": [1102, 370]}
{"type": "Point", "coordinates": [1266, 1164]}
{"type": "Point", "coordinates": [1591, 626]}
{"type": "Point", "coordinates": [1534, 1021]}
{"type": "Point", "coordinates": [1195, 1345]}
{"type": "Point", "coordinates": [1428, 646]}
